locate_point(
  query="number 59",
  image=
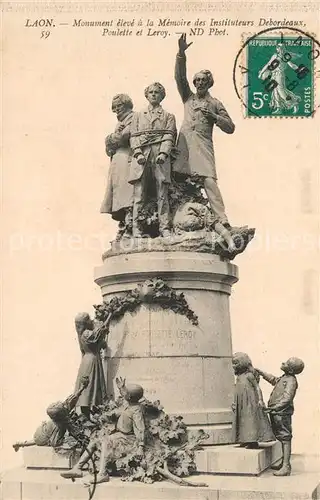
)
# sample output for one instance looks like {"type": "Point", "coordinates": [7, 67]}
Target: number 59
{"type": "Point", "coordinates": [258, 101]}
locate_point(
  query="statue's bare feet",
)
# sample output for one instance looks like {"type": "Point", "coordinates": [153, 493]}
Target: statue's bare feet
{"type": "Point", "coordinates": [284, 471]}
{"type": "Point", "coordinates": [100, 478]}
{"type": "Point", "coordinates": [72, 474]}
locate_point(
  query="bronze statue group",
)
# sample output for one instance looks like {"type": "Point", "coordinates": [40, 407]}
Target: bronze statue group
{"type": "Point", "coordinates": [146, 153]}
{"type": "Point", "coordinates": [251, 424]}
{"type": "Point", "coordinates": [141, 161]}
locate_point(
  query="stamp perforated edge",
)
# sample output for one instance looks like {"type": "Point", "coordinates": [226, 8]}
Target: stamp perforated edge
{"type": "Point", "coordinates": [244, 37]}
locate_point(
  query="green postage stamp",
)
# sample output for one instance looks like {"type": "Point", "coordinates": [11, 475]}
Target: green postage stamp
{"type": "Point", "coordinates": [280, 76]}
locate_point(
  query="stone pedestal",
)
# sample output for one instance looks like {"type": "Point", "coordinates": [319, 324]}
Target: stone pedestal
{"type": "Point", "coordinates": [45, 457]}
{"type": "Point", "coordinates": [187, 367]}
{"type": "Point", "coordinates": [231, 459]}
{"type": "Point", "coordinates": [228, 459]}
{"type": "Point", "coordinates": [27, 484]}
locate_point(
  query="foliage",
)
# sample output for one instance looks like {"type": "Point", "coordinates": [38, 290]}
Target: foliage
{"type": "Point", "coordinates": [148, 220]}
{"type": "Point", "coordinates": [77, 437]}
{"type": "Point", "coordinates": [167, 445]}
{"type": "Point", "coordinates": [186, 189]}
{"type": "Point", "coordinates": [183, 189]}
{"type": "Point", "coordinates": [118, 306]}
{"type": "Point", "coordinates": [155, 291]}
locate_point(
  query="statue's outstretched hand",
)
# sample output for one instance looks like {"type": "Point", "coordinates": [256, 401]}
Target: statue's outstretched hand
{"type": "Point", "coordinates": [183, 45]}
{"type": "Point", "coordinates": [121, 383]}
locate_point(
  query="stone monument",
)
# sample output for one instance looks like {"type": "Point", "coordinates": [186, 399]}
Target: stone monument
{"type": "Point", "coordinates": [187, 366]}
{"type": "Point", "coordinates": [192, 256]}
{"type": "Point", "coordinates": [164, 323]}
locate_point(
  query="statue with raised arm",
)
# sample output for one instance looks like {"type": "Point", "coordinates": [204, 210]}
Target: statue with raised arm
{"type": "Point", "coordinates": [196, 154]}
{"type": "Point", "coordinates": [153, 135]}
{"type": "Point", "coordinates": [129, 433]}
{"type": "Point", "coordinates": [281, 409]}
{"type": "Point", "coordinates": [91, 340]}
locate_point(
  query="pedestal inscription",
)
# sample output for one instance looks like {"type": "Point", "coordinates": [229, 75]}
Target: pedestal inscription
{"type": "Point", "coordinates": [188, 367]}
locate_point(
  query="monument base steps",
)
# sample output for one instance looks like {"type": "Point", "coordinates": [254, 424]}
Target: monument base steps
{"type": "Point", "coordinates": [27, 484]}
{"type": "Point", "coordinates": [226, 459]}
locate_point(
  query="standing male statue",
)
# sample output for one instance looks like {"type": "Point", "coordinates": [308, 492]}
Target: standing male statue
{"type": "Point", "coordinates": [153, 134]}
{"type": "Point", "coordinates": [195, 145]}
{"type": "Point", "coordinates": [118, 199]}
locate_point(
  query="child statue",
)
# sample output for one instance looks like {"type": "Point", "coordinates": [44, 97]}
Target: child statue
{"type": "Point", "coordinates": [250, 423]}
{"type": "Point", "coordinates": [280, 408]}
{"type": "Point", "coordinates": [52, 432]}
{"type": "Point", "coordinates": [91, 340]}
{"type": "Point", "coordinates": [129, 434]}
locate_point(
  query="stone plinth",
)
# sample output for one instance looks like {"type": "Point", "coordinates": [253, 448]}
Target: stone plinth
{"type": "Point", "coordinates": [187, 367]}
{"type": "Point", "coordinates": [228, 459]}
{"type": "Point", "coordinates": [45, 457]}
{"type": "Point", "coordinates": [26, 484]}
{"type": "Point", "coordinates": [231, 459]}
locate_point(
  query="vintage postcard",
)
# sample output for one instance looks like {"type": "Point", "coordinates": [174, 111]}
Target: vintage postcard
{"type": "Point", "coordinates": [160, 280]}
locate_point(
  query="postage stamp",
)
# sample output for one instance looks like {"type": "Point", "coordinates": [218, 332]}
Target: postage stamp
{"type": "Point", "coordinates": [280, 76]}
